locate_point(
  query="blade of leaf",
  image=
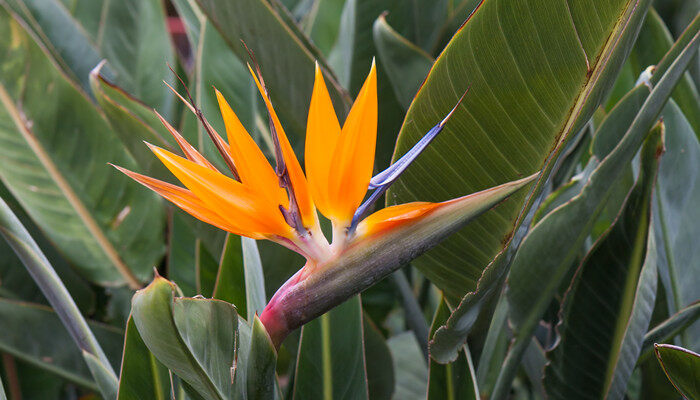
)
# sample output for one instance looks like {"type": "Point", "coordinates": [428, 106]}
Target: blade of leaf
{"type": "Point", "coordinates": [611, 297]}
{"type": "Point", "coordinates": [134, 39]}
{"type": "Point", "coordinates": [254, 280]}
{"type": "Point", "coordinates": [133, 122]}
{"type": "Point", "coordinates": [50, 284]}
{"type": "Point", "coordinates": [677, 199]}
{"type": "Point", "coordinates": [331, 357]}
{"type": "Point", "coordinates": [529, 302]}
{"type": "Point", "coordinates": [409, 367]}
{"type": "Point", "coordinates": [456, 380]}
{"type": "Point", "coordinates": [61, 34]}
{"type": "Point", "coordinates": [406, 64]}
{"type": "Point", "coordinates": [570, 224]}
{"type": "Point", "coordinates": [261, 363]}
{"type": "Point", "coordinates": [65, 185]}
{"type": "Point", "coordinates": [279, 52]}
{"type": "Point", "coordinates": [230, 281]}
{"type": "Point", "coordinates": [653, 43]}
{"type": "Point", "coordinates": [105, 378]}
{"type": "Point", "coordinates": [670, 327]}
{"type": "Point", "coordinates": [380, 370]}
{"type": "Point", "coordinates": [510, 124]}
{"type": "Point", "coordinates": [682, 367]}
{"type": "Point", "coordinates": [142, 376]}
{"type": "Point", "coordinates": [44, 342]}
{"type": "Point", "coordinates": [193, 337]}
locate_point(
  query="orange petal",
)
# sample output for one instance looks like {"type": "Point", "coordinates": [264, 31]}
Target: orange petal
{"type": "Point", "coordinates": [301, 189]}
{"type": "Point", "coordinates": [253, 168]}
{"type": "Point", "coordinates": [229, 198]}
{"type": "Point", "coordinates": [322, 132]}
{"type": "Point", "coordinates": [190, 152]}
{"type": "Point", "coordinates": [188, 202]}
{"type": "Point", "coordinates": [353, 159]}
{"type": "Point", "coordinates": [394, 216]}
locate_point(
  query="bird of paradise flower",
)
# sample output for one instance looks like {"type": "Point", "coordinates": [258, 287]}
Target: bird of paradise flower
{"type": "Point", "coordinates": [281, 204]}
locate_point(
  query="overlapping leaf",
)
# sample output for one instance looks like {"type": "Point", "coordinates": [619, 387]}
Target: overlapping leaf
{"type": "Point", "coordinates": [109, 228]}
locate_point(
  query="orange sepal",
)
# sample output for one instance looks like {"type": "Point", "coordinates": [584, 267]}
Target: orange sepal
{"type": "Point", "coordinates": [190, 152]}
{"type": "Point", "coordinates": [188, 202]}
{"type": "Point", "coordinates": [322, 132]}
{"type": "Point", "coordinates": [230, 198]}
{"type": "Point", "coordinates": [394, 217]}
{"type": "Point", "coordinates": [353, 158]}
{"type": "Point", "coordinates": [301, 188]}
{"type": "Point", "coordinates": [253, 168]}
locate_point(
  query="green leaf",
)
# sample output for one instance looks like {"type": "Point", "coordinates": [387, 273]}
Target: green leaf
{"type": "Point", "coordinates": [410, 369]}
{"type": "Point", "coordinates": [670, 327]}
{"type": "Point", "coordinates": [133, 122]}
{"type": "Point", "coordinates": [352, 54]}
{"type": "Point", "coordinates": [261, 364]}
{"type": "Point", "coordinates": [331, 357]}
{"type": "Point", "coordinates": [456, 380]}
{"type": "Point", "coordinates": [286, 62]}
{"type": "Point", "coordinates": [254, 282]}
{"type": "Point", "coordinates": [134, 39]}
{"type": "Point", "coordinates": [142, 375]}
{"type": "Point", "coordinates": [320, 21]}
{"type": "Point", "coordinates": [406, 64]}
{"type": "Point", "coordinates": [105, 378]}
{"type": "Point", "coordinates": [15, 281]}
{"type": "Point", "coordinates": [2, 392]}
{"type": "Point", "coordinates": [535, 79]}
{"type": "Point", "coordinates": [131, 35]}
{"type": "Point", "coordinates": [652, 44]}
{"type": "Point", "coordinates": [108, 226]}
{"type": "Point", "coordinates": [352, 57]}
{"type": "Point", "coordinates": [230, 281]}
{"type": "Point", "coordinates": [570, 224]}
{"type": "Point", "coordinates": [44, 342]}
{"type": "Point", "coordinates": [677, 199]}
{"type": "Point", "coordinates": [682, 367]}
{"type": "Point", "coordinates": [380, 370]}
{"type": "Point", "coordinates": [607, 309]}
{"type": "Point", "coordinates": [494, 348]}
{"type": "Point", "coordinates": [216, 65]}
{"type": "Point", "coordinates": [181, 251]}
{"type": "Point", "coordinates": [52, 25]}
{"type": "Point", "coordinates": [193, 337]}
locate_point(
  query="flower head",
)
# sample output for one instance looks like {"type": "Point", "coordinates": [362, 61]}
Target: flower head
{"type": "Point", "coordinates": [252, 199]}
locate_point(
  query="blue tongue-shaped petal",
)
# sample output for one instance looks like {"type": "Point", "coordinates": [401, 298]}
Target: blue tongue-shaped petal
{"type": "Point", "coordinates": [381, 182]}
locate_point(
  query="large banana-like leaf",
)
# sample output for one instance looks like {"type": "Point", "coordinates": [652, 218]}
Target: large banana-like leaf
{"type": "Point", "coordinates": [677, 203]}
{"type": "Point", "coordinates": [406, 64]}
{"type": "Point", "coordinates": [682, 367]}
{"type": "Point", "coordinates": [34, 333]}
{"type": "Point", "coordinates": [538, 268]}
{"type": "Point", "coordinates": [131, 35]}
{"type": "Point", "coordinates": [142, 376]}
{"type": "Point", "coordinates": [286, 59]}
{"type": "Point", "coordinates": [55, 147]}
{"type": "Point", "coordinates": [135, 41]}
{"type": "Point", "coordinates": [652, 44]}
{"type": "Point", "coordinates": [537, 70]}
{"type": "Point", "coordinates": [331, 358]}
{"type": "Point", "coordinates": [193, 337]}
{"type": "Point", "coordinates": [607, 308]}
{"type": "Point", "coordinates": [410, 370]}
{"type": "Point", "coordinates": [456, 380]}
